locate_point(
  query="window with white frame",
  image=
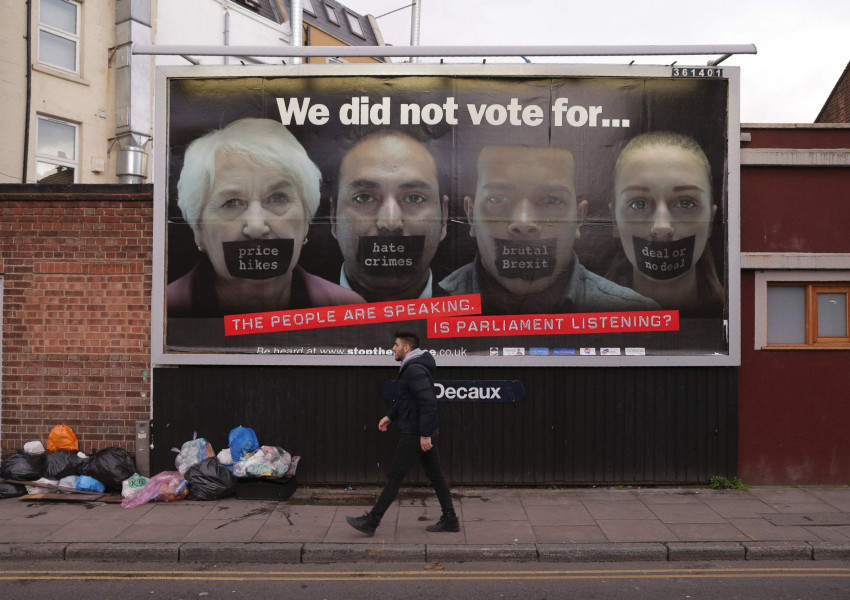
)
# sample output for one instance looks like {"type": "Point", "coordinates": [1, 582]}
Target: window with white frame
{"type": "Point", "coordinates": [332, 16]}
{"type": "Point", "coordinates": [252, 4]}
{"type": "Point", "coordinates": [59, 34]}
{"type": "Point", "coordinates": [354, 23]}
{"type": "Point", "coordinates": [56, 151]}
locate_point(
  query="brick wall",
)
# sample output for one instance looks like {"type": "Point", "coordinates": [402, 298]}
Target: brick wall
{"type": "Point", "coordinates": [76, 269]}
{"type": "Point", "coordinates": [837, 107]}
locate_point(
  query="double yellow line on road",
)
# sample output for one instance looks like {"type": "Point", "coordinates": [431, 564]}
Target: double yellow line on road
{"type": "Point", "coordinates": [427, 574]}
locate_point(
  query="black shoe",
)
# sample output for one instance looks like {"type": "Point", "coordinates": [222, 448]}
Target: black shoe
{"type": "Point", "coordinates": [366, 524]}
{"type": "Point", "coordinates": [446, 523]}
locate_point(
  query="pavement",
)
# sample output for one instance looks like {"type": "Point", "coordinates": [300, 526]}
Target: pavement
{"type": "Point", "coordinates": [507, 524]}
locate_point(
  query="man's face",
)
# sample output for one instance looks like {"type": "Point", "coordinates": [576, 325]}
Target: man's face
{"type": "Point", "coordinates": [251, 205]}
{"type": "Point", "coordinates": [388, 191]}
{"type": "Point", "coordinates": [525, 217]}
{"type": "Point", "coordinates": [400, 349]}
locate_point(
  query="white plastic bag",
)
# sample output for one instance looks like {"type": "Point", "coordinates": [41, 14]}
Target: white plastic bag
{"type": "Point", "coordinates": [69, 482]}
{"type": "Point", "coordinates": [268, 461]}
{"type": "Point", "coordinates": [32, 489]}
{"type": "Point", "coordinates": [135, 482]}
{"type": "Point", "coordinates": [225, 457]}
{"type": "Point", "coordinates": [34, 448]}
{"type": "Point", "coordinates": [192, 452]}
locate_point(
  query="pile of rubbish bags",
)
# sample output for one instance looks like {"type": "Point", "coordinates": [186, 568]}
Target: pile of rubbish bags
{"type": "Point", "coordinates": [203, 475]}
{"type": "Point", "coordinates": [200, 474]}
{"type": "Point", "coordinates": [62, 464]}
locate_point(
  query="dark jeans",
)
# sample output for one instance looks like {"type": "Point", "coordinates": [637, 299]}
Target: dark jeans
{"type": "Point", "coordinates": [406, 453]}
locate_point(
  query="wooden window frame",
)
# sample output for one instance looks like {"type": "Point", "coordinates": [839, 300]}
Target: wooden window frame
{"type": "Point", "coordinates": [813, 341]}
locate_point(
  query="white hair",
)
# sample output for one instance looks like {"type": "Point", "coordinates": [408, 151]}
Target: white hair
{"type": "Point", "coordinates": [263, 141]}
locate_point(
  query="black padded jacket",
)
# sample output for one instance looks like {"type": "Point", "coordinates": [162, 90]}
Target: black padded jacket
{"type": "Point", "coordinates": [414, 409]}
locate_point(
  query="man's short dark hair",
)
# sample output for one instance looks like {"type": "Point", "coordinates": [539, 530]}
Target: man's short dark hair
{"type": "Point", "coordinates": [408, 337]}
{"type": "Point", "coordinates": [379, 134]}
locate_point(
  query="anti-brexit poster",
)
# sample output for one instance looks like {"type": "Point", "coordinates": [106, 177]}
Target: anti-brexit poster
{"type": "Point", "coordinates": [538, 217]}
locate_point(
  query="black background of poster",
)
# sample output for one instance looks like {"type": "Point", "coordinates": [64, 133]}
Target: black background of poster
{"type": "Point", "coordinates": [694, 107]}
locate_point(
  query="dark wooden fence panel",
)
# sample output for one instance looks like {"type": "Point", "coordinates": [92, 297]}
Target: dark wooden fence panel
{"type": "Point", "coordinates": [574, 425]}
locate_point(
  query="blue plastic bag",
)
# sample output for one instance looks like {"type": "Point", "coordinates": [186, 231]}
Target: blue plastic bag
{"type": "Point", "coordinates": [89, 484]}
{"type": "Point", "coordinates": [242, 441]}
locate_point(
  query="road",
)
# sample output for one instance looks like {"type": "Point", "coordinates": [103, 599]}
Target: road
{"type": "Point", "coordinates": [805, 580]}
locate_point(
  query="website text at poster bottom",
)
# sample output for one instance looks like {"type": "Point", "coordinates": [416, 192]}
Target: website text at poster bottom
{"type": "Point", "coordinates": [558, 324]}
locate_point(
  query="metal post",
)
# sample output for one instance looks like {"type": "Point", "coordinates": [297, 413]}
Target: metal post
{"type": "Point", "coordinates": [297, 21]}
{"type": "Point", "coordinates": [143, 448]}
{"type": "Point", "coordinates": [226, 33]}
{"type": "Point", "coordinates": [414, 26]}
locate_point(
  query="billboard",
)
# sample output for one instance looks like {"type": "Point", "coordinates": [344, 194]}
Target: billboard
{"type": "Point", "coordinates": [539, 215]}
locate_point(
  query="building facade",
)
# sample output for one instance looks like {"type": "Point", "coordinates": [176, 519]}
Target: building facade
{"type": "Point", "coordinates": [75, 273]}
{"type": "Point", "coordinates": [78, 105]}
{"type": "Point", "coordinates": [795, 210]}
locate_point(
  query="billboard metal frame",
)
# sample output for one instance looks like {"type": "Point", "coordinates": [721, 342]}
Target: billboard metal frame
{"type": "Point", "coordinates": [160, 171]}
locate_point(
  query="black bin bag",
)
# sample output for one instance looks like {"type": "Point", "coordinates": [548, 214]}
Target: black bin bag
{"type": "Point", "coordinates": [209, 480]}
{"type": "Point", "coordinates": [22, 466]}
{"type": "Point", "coordinates": [10, 490]}
{"type": "Point", "coordinates": [62, 463]}
{"type": "Point", "coordinates": [109, 466]}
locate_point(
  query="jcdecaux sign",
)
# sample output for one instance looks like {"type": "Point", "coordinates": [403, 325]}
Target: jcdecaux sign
{"type": "Point", "coordinates": [469, 391]}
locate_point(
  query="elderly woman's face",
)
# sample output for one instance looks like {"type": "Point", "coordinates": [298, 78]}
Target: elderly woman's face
{"type": "Point", "coordinates": [663, 209]}
{"type": "Point", "coordinates": [251, 213]}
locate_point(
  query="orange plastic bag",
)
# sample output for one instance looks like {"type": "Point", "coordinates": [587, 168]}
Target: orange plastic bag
{"type": "Point", "coordinates": [62, 437]}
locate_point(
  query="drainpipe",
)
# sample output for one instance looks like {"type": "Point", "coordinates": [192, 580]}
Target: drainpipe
{"type": "Point", "coordinates": [29, 93]}
{"type": "Point", "coordinates": [297, 23]}
{"type": "Point", "coordinates": [414, 26]}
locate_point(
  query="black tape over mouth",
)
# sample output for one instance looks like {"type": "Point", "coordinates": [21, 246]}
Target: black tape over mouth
{"type": "Point", "coordinates": [258, 259]}
{"type": "Point", "coordinates": [664, 260]}
{"type": "Point", "coordinates": [526, 259]}
{"type": "Point", "coordinates": [389, 254]}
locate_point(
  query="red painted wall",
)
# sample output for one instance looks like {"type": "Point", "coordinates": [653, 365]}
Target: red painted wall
{"type": "Point", "coordinates": [794, 410]}
{"type": "Point", "coordinates": [795, 209]}
{"type": "Point", "coordinates": [794, 416]}
{"type": "Point", "coordinates": [799, 137]}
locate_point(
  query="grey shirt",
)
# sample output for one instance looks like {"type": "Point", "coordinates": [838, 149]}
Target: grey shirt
{"type": "Point", "coordinates": [583, 292]}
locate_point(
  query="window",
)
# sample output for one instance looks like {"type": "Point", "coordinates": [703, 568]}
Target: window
{"type": "Point", "coordinates": [250, 4]}
{"type": "Point", "coordinates": [332, 14]}
{"type": "Point", "coordinates": [308, 7]}
{"type": "Point", "coordinates": [56, 151]}
{"type": "Point", "coordinates": [808, 314]}
{"type": "Point", "coordinates": [354, 23]}
{"type": "Point", "coordinates": [59, 34]}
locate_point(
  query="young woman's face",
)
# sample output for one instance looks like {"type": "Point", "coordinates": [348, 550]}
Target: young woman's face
{"type": "Point", "coordinates": [253, 223]}
{"type": "Point", "coordinates": [663, 209]}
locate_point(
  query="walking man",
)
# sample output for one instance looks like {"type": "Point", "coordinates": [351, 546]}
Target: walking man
{"type": "Point", "coordinates": [415, 412]}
